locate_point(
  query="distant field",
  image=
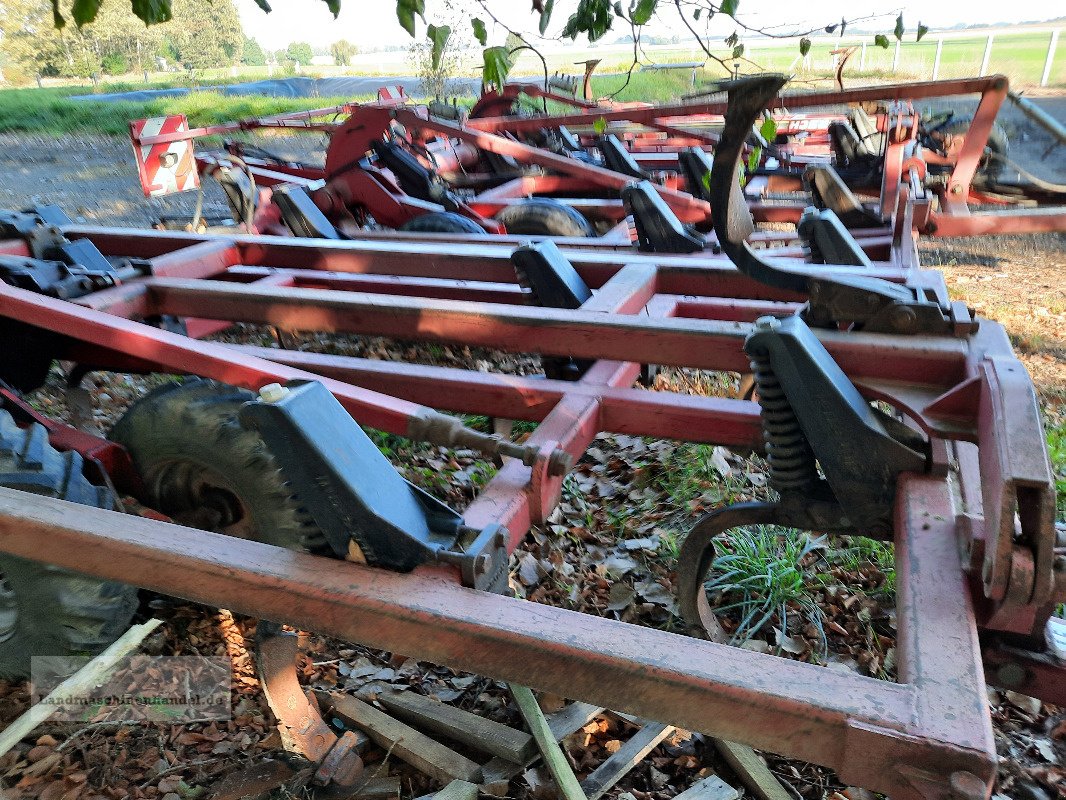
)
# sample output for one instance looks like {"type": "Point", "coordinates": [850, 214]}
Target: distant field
{"type": "Point", "coordinates": [49, 111]}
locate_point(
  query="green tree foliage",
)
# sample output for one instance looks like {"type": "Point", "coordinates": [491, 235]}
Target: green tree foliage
{"type": "Point", "coordinates": [342, 52]}
{"type": "Point", "coordinates": [206, 33]}
{"type": "Point", "coordinates": [299, 51]}
{"type": "Point", "coordinates": [252, 53]}
{"type": "Point", "coordinates": [116, 41]}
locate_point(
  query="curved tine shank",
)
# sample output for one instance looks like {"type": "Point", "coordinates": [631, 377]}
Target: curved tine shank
{"type": "Point", "coordinates": [729, 211]}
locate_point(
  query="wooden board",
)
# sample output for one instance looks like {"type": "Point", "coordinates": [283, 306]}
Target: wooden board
{"type": "Point", "coordinates": [563, 774]}
{"type": "Point", "coordinates": [424, 754]}
{"type": "Point", "coordinates": [462, 726]}
{"type": "Point", "coordinates": [710, 788]}
{"type": "Point", "coordinates": [628, 756]}
{"type": "Point", "coordinates": [562, 723]}
{"type": "Point", "coordinates": [457, 790]}
{"type": "Point", "coordinates": [752, 770]}
{"type": "Point", "coordinates": [376, 789]}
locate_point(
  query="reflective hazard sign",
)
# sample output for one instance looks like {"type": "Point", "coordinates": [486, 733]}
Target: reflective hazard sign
{"type": "Point", "coordinates": [164, 167]}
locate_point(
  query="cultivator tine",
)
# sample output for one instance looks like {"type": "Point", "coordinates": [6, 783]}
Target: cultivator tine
{"type": "Point", "coordinates": [302, 728]}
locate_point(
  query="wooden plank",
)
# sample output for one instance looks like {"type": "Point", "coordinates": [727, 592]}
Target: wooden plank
{"type": "Point", "coordinates": [406, 743]}
{"type": "Point", "coordinates": [387, 788]}
{"type": "Point", "coordinates": [710, 788]}
{"type": "Point", "coordinates": [462, 726]}
{"type": "Point", "coordinates": [752, 770]}
{"type": "Point", "coordinates": [560, 768]}
{"type": "Point", "coordinates": [457, 790]}
{"type": "Point", "coordinates": [628, 756]}
{"type": "Point", "coordinates": [562, 723]}
{"type": "Point", "coordinates": [92, 674]}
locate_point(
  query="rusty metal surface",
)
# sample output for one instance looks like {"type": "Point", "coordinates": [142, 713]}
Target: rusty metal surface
{"type": "Point", "coordinates": [862, 727]}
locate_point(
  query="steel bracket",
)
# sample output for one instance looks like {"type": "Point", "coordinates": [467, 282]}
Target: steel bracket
{"type": "Point", "coordinates": [868, 303]}
{"type": "Point", "coordinates": [658, 228]}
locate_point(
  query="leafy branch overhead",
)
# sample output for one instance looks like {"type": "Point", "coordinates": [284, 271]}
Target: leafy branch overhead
{"type": "Point", "coordinates": [593, 18]}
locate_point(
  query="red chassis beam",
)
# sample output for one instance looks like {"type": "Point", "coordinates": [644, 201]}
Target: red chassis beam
{"type": "Point", "coordinates": [943, 374]}
{"type": "Point", "coordinates": [928, 737]}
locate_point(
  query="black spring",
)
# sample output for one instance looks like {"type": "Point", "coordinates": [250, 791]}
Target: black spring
{"type": "Point", "coordinates": [787, 450]}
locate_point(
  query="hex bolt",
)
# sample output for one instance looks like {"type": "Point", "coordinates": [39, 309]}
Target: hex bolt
{"type": "Point", "coordinates": [767, 323]}
{"type": "Point", "coordinates": [560, 462]}
{"type": "Point", "coordinates": [273, 392]}
{"type": "Point", "coordinates": [967, 786]}
{"type": "Point", "coordinates": [482, 564]}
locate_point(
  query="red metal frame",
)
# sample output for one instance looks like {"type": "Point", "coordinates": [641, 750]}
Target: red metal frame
{"type": "Point", "coordinates": [928, 736]}
{"type": "Point", "coordinates": [659, 133]}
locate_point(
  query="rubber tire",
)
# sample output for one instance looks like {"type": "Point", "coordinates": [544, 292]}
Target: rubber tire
{"type": "Point", "coordinates": [442, 222]}
{"type": "Point", "coordinates": [990, 168]}
{"type": "Point", "coordinates": [542, 216]}
{"type": "Point", "coordinates": [59, 612]}
{"type": "Point", "coordinates": [182, 430]}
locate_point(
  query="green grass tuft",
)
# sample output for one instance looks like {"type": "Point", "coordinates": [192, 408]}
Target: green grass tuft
{"type": "Point", "coordinates": [760, 574]}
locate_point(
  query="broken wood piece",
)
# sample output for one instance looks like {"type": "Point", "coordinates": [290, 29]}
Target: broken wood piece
{"type": "Point", "coordinates": [457, 790]}
{"type": "Point", "coordinates": [424, 754]}
{"type": "Point", "coordinates": [628, 756]}
{"type": "Point", "coordinates": [549, 747]}
{"type": "Point", "coordinates": [477, 732]}
{"type": "Point", "coordinates": [89, 676]}
{"type": "Point", "coordinates": [752, 770]}
{"type": "Point", "coordinates": [561, 724]}
{"type": "Point", "coordinates": [710, 788]}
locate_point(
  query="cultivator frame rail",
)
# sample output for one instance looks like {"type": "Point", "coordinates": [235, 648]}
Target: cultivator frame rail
{"type": "Point", "coordinates": [979, 567]}
{"type": "Point", "coordinates": [943, 205]}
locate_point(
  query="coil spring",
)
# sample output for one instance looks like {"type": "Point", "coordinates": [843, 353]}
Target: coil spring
{"type": "Point", "coordinates": [787, 449]}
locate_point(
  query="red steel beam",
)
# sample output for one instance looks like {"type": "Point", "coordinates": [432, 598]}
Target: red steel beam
{"type": "Point", "coordinates": [876, 734]}
{"type": "Point", "coordinates": [636, 412]}
{"type": "Point", "coordinates": [705, 344]}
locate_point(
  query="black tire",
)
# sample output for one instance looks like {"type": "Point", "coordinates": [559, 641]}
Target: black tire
{"type": "Point", "coordinates": [46, 610]}
{"type": "Point", "coordinates": [542, 216]}
{"type": "Point", "coordinates": [991, 166]}
{"type": "Point", "coordinates": [203, 469]}
{"type": "Point", "coordinates": [442, 222]}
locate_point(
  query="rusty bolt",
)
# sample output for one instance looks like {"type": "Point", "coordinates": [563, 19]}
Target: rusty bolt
{"type": "Point", "coordinates": [1012, 676]}
{"type": "Point", "coordinates": [903, 318]}
{"type": "Point", "coordinates": [560, 462]}
{"type": "Point", "coordinates": [967, 786]}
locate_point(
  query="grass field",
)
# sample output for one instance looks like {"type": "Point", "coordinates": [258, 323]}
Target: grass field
{"type": "Point", "coordinates": [1019, 55]}
{"type": "Point", "coordinates": [50, 111]}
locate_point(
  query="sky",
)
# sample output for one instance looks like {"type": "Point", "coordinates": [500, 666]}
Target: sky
{"type": "Point", "coordinates": [370, 23]}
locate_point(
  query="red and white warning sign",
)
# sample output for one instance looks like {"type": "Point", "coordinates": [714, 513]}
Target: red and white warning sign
{"type": "Point", "coordinates": [392, 96]}
{"type": "Point", "coordinates": [164, 167]}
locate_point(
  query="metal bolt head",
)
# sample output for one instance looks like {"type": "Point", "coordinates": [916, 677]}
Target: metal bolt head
{"type": "Point", "coordinates": [967, 786]}
{"type": "Point", "coordinates": [1011, 676]}
{"type": "Point", "coordinates": [767, 323]}
{"type": "Point", "coordinates": [482, 564]}
{"type": "Point", "coordinates": [272, 393]}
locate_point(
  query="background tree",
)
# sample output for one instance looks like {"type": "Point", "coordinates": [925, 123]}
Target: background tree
{"type": "Point", "coordinates": [436, 75]}
{"type": "Point", "coordinates": [252, 53]}
{"type": "Point", "coordinates": [300, 52]}
{"type": "Point", "coordinates": [115, 42]}
{"type": "Point", "coordinates": [207, 34]}
{"type": "Point", "coordinates": [342, 52]}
